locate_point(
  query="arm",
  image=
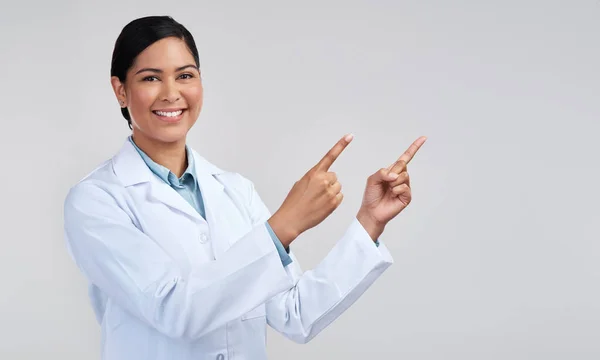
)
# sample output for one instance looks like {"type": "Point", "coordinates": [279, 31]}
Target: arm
{"type": "Point", "coordinates": [321, 295]}
{"type": "Point", "coordinates": [131, 269]}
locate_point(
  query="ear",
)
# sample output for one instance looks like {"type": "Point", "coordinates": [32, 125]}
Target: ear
{"type": "Point", "coordinates": [119, 89]}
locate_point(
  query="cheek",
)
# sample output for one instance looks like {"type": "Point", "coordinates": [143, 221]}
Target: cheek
{"type": "Point", "coordinates": [141, 99]}
{"type": "Point", "coordinates": [194, 96]}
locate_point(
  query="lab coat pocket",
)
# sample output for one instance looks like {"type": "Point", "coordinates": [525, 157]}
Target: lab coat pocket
{"type": "Point", "coordinates": [258, 312]}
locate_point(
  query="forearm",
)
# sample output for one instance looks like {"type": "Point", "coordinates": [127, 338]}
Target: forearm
{"type": "Point", "coordinates": [321, 295]}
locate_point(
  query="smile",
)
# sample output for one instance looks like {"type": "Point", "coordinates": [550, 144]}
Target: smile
{"type": "Point", "coordinates": [168, 113]}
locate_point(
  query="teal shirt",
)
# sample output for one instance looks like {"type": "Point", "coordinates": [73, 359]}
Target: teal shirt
{"type": "Point", "coordinates": [187, 187]}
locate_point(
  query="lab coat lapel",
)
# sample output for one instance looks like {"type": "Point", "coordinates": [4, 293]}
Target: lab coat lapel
{"type": "Point", "coordinates": [132, 170]}
{"type": "Point", "coordinates": [217, 204]}
{"type": "Point", "coordinates": [162, 192]}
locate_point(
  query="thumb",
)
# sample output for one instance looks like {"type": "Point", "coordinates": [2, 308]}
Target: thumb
{"type": "Point", "coordinates": [381, 176]}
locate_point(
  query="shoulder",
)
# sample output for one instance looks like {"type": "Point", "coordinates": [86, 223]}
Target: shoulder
{"type": "Point", "coordinates": [99, 185]}
{"type": "Point", "coordinates": [228, 178]}
{"type": "Point", "coordinates": [238, 187]}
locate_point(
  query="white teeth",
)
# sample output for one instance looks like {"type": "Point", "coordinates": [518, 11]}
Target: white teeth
{"type": "Point", "coordinates": [168, 114]}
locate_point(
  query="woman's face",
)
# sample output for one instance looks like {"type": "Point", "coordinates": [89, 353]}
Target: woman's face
{"type": "Point", "coordinates": [163, 91]}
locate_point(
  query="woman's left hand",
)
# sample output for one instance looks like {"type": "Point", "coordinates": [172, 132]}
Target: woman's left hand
{"type": "Point", "coordinates": [387, 193]}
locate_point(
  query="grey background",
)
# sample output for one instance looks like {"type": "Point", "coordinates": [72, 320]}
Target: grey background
{"type": "Point", "coordinates": [496, 258]}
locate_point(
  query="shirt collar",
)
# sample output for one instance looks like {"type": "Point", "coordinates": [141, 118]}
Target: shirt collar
{"type": "Point", "coordinates": [162, 172]}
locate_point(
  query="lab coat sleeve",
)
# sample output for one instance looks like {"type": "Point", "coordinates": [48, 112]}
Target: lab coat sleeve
{"type": "Point", "coordinates": [136, 273]}
{"type": "Point", "coordinates": [321, 295]}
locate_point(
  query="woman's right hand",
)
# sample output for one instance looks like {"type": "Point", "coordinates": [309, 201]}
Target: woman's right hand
{"type": "Point", "coordinates": [312, 198]}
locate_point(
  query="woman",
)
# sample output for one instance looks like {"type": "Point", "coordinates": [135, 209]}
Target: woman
{"type": "Point", "coordinates": [184, 260]}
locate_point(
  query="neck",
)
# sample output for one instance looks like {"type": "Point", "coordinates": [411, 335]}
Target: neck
{"type": "Point", "coordinates": [171, 155]}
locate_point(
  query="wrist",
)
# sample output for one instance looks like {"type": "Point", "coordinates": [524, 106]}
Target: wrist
{"type": "Point", "coordinates": [282, 229]}
{"type": "Point", "coordinates": [373, 227]}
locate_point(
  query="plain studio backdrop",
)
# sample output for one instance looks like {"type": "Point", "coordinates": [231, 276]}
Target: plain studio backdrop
{"type": "Point", "coordinates": [498, 256]}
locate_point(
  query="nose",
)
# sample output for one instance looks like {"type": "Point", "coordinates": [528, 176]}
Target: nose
{"type": "Point", "coordinates": [170, 92]}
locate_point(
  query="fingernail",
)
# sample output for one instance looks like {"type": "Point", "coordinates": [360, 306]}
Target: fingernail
{"type": "Point", "coordinates": [349, 137]}
{"type": "Point", "coordinates": [394, 176]}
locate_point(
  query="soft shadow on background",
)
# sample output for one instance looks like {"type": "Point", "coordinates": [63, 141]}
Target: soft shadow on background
{"type": "Point", "coordinates": [498, 256]}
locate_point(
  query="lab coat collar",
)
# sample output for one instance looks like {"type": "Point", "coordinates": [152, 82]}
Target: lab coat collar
{"type": "Point", "coordinates": [131, 170]}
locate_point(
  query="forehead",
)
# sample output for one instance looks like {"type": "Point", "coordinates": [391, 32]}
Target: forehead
{"type": "Point", "coordinates": [167, 53]}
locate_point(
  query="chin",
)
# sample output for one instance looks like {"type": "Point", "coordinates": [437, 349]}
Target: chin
{"type": "Point", "coordinates": [172, 134]}
{"type": "Point", "coordinates": [166, 134]}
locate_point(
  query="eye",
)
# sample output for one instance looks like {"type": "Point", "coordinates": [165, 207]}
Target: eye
{"type": "Point", "coordinates": [186, 76]}
{"type": "Point", "coordinates": [150, 78]}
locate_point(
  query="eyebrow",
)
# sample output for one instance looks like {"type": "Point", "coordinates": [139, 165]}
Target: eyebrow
{"type": "Point", "coordinates": [160, 71]}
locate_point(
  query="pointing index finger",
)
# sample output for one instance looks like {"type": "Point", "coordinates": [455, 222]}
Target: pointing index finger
{"type": "Point", "coordinates": [333, 153]}
{"type": "Point", "coordinates": [411, 151]}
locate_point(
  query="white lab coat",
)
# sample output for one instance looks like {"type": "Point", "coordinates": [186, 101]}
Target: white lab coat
{"type": "Point", "coordinates": [166, 284]}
